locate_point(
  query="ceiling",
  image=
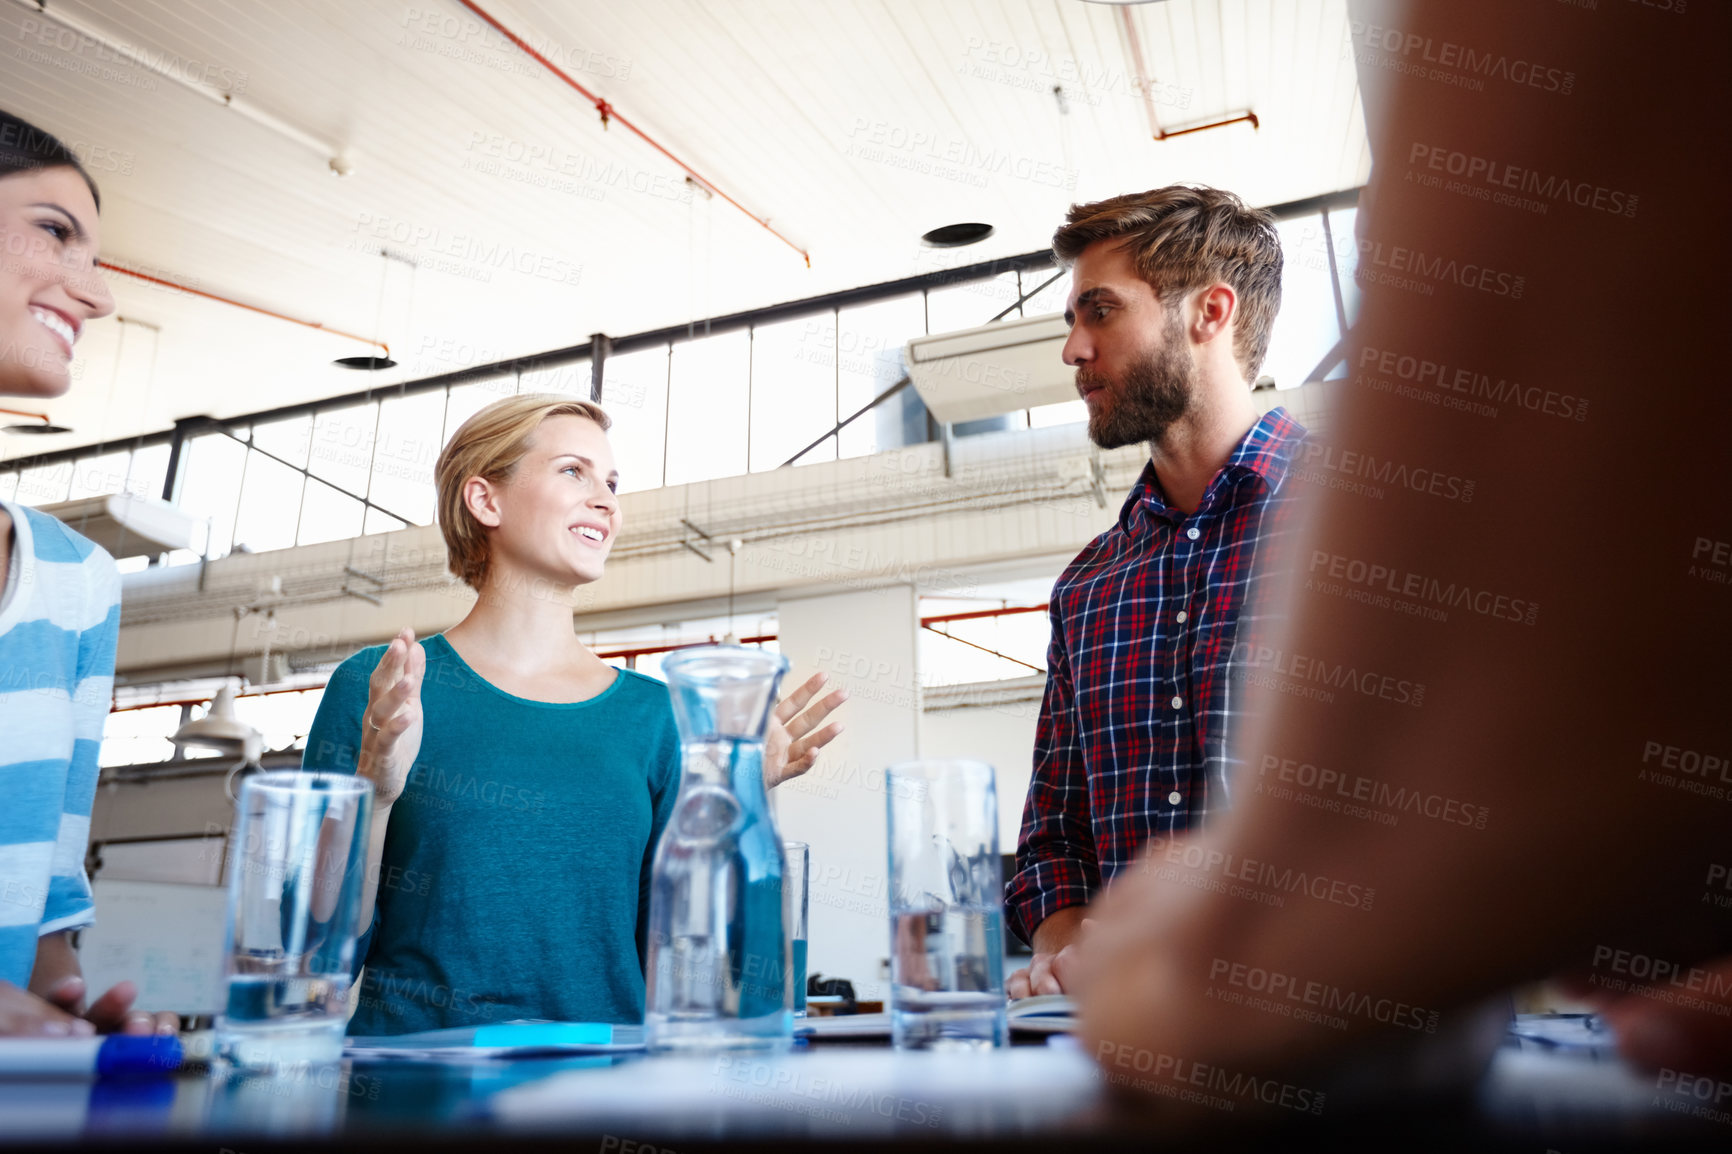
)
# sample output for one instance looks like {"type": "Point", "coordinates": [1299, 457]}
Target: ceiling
{"type": "Point", "coordinates": [852, 125]}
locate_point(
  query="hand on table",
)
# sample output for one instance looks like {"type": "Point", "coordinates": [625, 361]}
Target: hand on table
{"type": "Point", "coordinates": [61, 1013]}
{"type": "Point", "coordinates": [1653, 1035]}
{"type": "Point", "coordinates": [391, 725]}
{"type": "Point", "coordinates": [1052, 972]}
{"type": "Point", "coordinates": [792, 745]}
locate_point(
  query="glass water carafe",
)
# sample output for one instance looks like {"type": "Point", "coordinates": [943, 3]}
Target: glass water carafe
{"type": "Point", "coordinates": [719, 949]}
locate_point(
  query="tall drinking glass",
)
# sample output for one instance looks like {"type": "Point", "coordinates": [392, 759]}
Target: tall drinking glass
{"type": "Point", "coordinates": [946, 907]}
{"type": "Point", "coordinates": [799, 859]}
{"type": "Point", "coordinates": [717, 975]}
{"type": "Point", "coordinates": [296, 868]}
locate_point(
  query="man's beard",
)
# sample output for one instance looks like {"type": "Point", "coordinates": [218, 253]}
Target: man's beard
{"type": "Point", "coordinates": [1157, 390]}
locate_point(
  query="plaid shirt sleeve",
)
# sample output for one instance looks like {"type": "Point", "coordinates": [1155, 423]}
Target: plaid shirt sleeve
{"type": "Point", "coordinates": [1056, 865]}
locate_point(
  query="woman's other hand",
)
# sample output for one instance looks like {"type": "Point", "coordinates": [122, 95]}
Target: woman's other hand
{"type": "Point", "coordinates": [23, 1014]}
{"type": "Point", "coordinates": [797, 732]}
{"type": "Point", "coordinates": [391, 725]}
{"type": "Point", "coordinates": [112, 1013]}
{"type": "Point", "coordinates": [60, 1012]}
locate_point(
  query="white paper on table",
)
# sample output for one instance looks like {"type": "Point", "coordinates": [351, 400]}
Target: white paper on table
{"type": "Point", "coordinates": [844, 1090]}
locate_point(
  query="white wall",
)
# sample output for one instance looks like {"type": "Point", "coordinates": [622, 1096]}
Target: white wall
{"type": "Point", "coordinates": [1002, 736]}
{"type": "Point", "coordinates": [867, 641]}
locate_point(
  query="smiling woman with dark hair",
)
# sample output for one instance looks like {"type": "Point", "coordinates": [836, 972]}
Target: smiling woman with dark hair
{"type": "Point", "coordinates": [59, 612]}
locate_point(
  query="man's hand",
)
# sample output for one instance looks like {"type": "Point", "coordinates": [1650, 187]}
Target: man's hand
{"type": "Point", "coordinates": [1654, 1035]}
{"type": "Point", "coordinates": [1057, 956]}
{"type": "Point", "coordinates": [391, 724]}
{"type": "Point", "coordinates": [792, 745]}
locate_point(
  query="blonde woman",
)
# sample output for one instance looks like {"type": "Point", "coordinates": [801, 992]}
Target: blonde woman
{"type": "Point", "coordinates": [522, 782]}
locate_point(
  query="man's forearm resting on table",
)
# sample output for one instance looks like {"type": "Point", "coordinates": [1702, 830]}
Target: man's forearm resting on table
{"type": "Point", "coordinates": [1051, 970]}
{"type": "Point", "coordinates": [1059, 930]}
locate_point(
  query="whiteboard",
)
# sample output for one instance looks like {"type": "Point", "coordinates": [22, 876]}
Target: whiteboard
{"type": "Point", "coordinates": [166, 937]}
{"type": "Point", "coordinates": [192, 860]}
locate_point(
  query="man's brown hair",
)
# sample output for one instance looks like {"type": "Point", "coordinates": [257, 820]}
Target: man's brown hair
{"type": "Point", "coordinates": [490, 445]}
{"type": "Point", "coordinates": [1184, 237]}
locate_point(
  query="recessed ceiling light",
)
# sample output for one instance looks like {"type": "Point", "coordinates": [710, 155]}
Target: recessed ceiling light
{"type": "Point", "coordinates": [365, 364]}
{"type": "Point", "coordinates": [37, 430]}
{"type": "Point", "coordinates": [957, 235]}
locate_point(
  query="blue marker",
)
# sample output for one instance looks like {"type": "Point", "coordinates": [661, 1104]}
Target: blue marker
{"type": "Point", "coordinates": [117, 1055]}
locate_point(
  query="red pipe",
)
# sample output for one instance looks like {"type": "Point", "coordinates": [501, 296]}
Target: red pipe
{"type": "Point", "coordinates": [1136, 45]}
{"type": "Point", "coordinates": [977, 614]}
{"type": "Point", "coordinates": [641, 650]}
{"type": "Point", "coordinates": [1168, 134]}
{"type": "Point", "coordinates": [43, 417]}
{"type": "Point", "coordinates": [206, 700]}
{"type": "Point", "coordinates": [166, 283]}
{"type": "Point", "coordinates": [609, 112]}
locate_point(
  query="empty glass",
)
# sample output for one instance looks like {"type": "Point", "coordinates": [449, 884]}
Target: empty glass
{"type": "Point", "coordinates": [719, 951]}
{"type": "Point", "coordinates": [296, 867]}
{"type": "Point", "coordinates": [946, 906]}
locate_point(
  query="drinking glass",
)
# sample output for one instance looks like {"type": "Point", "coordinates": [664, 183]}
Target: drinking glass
{"type": "Point", "coordinates": [296, 867]}
{"type": "Point", "coordinates": [799, 858]}
{"type": "Point", "coordinates": [946, 906]}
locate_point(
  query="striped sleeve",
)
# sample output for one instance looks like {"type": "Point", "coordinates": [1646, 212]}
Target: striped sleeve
{"type": "Point", "coordinates": [69, 904]}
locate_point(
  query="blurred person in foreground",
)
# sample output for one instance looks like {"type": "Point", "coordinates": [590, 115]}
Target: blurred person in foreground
{"type": "Point", "coordinates": [1540, 276]}
{"type": "Point", "coordinates": [1173, 297]}
{"type": "Point", "coordinates": [59, 614]}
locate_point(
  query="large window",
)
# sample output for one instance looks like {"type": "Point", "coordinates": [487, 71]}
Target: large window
{"type": "Point", "coordinates": [635, 394]}
{"type": "Point", "coordinates": [697, 408]}
{"type": "Point", "coordinates": [869, 354]}
{"type": "Point", "coordinates": [1319, 298]}
{"type": "Point", "coordinates": [709, 386]}
{"type": "Point", "coordinates": [793, 390]}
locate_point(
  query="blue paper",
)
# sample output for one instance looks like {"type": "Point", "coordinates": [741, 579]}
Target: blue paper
{"type": "Point", "coordinates": [517, 1035]}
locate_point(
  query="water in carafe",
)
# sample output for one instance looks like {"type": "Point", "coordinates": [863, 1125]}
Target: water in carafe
{"type": "Point", "coordinates": [719, 949]}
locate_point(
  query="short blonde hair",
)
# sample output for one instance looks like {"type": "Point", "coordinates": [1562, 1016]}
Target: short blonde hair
{"type": "Point", "coordinates": [490, 445]}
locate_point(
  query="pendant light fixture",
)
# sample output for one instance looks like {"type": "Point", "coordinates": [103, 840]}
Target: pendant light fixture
{"type": "Point", "coordinates": [372, 363]}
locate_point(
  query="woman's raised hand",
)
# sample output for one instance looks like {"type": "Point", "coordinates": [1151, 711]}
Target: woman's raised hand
{"type": "Point", "coordinates": [391, 725]}
{"type": "Point", "coordinates": [795, 737]}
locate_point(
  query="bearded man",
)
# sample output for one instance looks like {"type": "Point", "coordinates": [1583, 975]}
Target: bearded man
{"type": "Point", "coordinates": [1173, 296]}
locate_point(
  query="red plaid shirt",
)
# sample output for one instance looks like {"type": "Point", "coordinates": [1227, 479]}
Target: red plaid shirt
{"type": "Point", "coordinates": [1131, 744]}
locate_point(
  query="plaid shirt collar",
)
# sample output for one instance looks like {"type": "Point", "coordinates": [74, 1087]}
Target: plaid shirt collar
{"type": "Point", "coordinates": [1264, 452]}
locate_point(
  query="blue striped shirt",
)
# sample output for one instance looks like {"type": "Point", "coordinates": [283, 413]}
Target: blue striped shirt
{"type": "Point", "coordinates": [58, 628]}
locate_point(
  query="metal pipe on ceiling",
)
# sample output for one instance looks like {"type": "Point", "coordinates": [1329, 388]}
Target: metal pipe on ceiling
{"type": "Point", "coordinates": [165, 282]}
{"type": "Point", "coordinates": [163, 64]}
{"type": "Point", "coordinates": [610, 113]}
{"type": "Point", "coordinates": [1135, 45]}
